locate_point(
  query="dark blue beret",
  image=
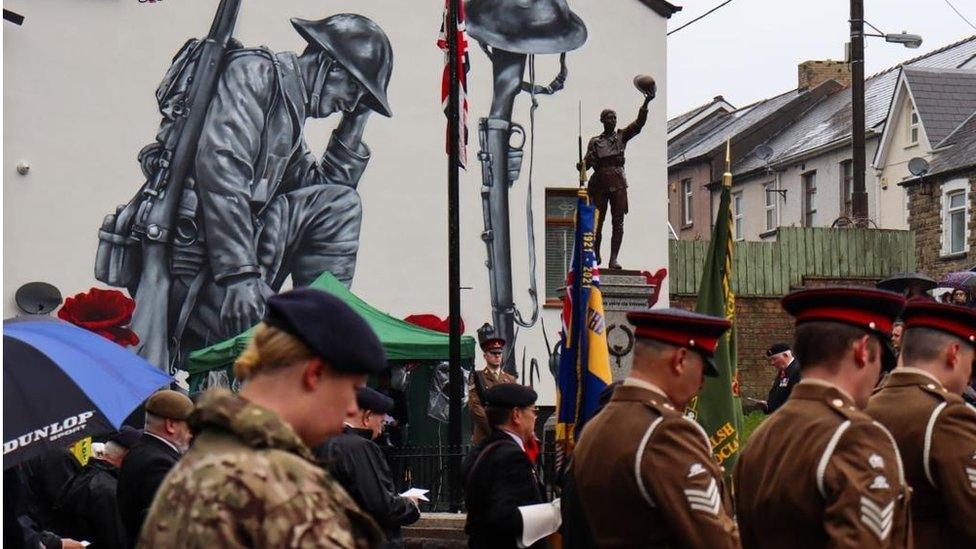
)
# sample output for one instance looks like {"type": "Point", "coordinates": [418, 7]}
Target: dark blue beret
{"type": "Point", "coordinates": [330, 328]}
{"type": "Point", "coordinates": [510, 395]}
{"type": "Point", "coordinates": [777, 348]}
{"type": "Point", "coordinates": [373, 400]}
{"type": "Point", "coordinates": [126, 436]}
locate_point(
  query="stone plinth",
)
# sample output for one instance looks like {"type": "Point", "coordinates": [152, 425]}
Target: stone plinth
{"type": "Point", "coordinates": [623, 291]}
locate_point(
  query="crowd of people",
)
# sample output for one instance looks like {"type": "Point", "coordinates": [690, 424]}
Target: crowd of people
{"type": "Point", "coordinates": [869, 443]}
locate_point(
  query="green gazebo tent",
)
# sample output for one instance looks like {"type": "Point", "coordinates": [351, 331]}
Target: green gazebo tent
{"type": "Point", "coordinates": [403, 341]}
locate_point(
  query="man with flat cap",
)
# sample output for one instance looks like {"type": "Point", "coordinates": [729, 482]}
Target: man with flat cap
{"type": "Point", "coordinates": [787, 376]}
{"type": "Point", "coordinates": [491, 375]}
{"type": "Point", "coordinates": [250, 479]}
{"type": "Point", "coordinates": [498, 474]}
{"type": "Point", "coordinates": [643, 473]}
{"type": "Point", "coordinates": [820, 472]}
{"type": "Point", "coordinates": [164, 439]}
{"type": "Point", "coordinates": [922, 406]}
{"type": "Point", "coordinates": [360, 467]}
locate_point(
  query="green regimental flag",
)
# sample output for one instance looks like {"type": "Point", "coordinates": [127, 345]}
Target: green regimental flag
{"type": "Point", "coordinates": [718, 406]}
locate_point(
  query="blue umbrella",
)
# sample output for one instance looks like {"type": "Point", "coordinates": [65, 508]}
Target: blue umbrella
{"type": "Point", "coordinates": [62, 383]}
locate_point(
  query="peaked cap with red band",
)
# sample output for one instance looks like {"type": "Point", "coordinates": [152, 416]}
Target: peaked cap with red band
{"type": "Point", "coordinates": [867, 308]}
{"type": "Point", "coordinates": [682, 328]}
{"type": "Point", "coordinates": [951, 319]}
{"type": "Point", "coordinates": [875, 311]}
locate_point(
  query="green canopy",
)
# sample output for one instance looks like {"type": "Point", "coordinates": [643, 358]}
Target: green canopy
{"type": "Point", "coordinates": [402, 340]}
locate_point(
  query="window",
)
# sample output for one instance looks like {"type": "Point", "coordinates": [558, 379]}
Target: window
{"type": "Point", "coordinates": [560, 222]}
{"type": "Point", "coordinates": [955, 217]}
{"type": "Point", "coordinates": [772, 213]}
{"type": "Point", "coordinates": [847, 187]}
{"type": "Point", "coordinates": [737, 215]}
{"type": "Point", "coordinates": [686, 203]}
{"type": "Point", "coordinates": [912, 126]}
{"type": "Point", "coordinates": [810, 199]}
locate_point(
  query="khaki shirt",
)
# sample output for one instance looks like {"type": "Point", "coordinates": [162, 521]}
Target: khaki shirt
{"type": "Point", "coordinates": [645, 476]}
{"type": "Point", "coordinates": [936, 435]}
{"type": "Point", "coordinates": [821, 473]}
{"type": "Point", "coordinates": [479, 421]}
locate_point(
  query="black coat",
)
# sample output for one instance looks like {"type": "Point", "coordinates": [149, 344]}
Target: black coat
{"type": "Point", "coordinates": [142, 473]}
{"type": "Point", "coordinates": [358, 464]}
{"type": "Point", "coordinates": [89, 510]}
{"type": "Point", "coordinates": [782, 387]}
{"type": "Point", "coordinates": [495, 487]}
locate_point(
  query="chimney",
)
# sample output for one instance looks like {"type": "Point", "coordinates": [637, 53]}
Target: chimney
{"type": "Point", "coordinates": [811, 74]}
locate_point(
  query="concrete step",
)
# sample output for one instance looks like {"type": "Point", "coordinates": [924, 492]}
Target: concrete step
{"type": "Point", "coordinates": [436, 531]}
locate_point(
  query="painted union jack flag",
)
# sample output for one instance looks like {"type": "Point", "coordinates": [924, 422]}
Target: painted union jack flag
{"type": "Point", "coordinates": [464, 65]}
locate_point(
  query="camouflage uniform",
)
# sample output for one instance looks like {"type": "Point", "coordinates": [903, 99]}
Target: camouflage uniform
{"type": "Point", "coordinates": [249, 481]}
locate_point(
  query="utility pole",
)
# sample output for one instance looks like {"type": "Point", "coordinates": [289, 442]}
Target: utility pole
{"type": "Point", "coordinates": [859, 200]}
{"type": "Point", "coordinates": [455, 379]}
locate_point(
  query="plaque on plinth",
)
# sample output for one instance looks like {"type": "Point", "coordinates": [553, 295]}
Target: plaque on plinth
{"type": "Point", "coordinates": [626, 290]}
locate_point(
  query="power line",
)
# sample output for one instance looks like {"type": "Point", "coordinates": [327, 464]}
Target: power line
{"type": "Point", "coordinates": [702, 16]}
{"type": "Point", "coordinates": [961, 16]}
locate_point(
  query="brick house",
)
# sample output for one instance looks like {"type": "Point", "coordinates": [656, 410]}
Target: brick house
{"type": "Point", "coordinates": [941, 204]}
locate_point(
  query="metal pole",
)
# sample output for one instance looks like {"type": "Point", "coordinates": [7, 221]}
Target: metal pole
{"type": "Point", "coordinates": [859, 200]}
{"type": "Point", "coordinates": [456, 380]}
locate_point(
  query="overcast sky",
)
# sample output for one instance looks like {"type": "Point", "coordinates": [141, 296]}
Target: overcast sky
{"type": "Point", "coordinates": [749, 49]}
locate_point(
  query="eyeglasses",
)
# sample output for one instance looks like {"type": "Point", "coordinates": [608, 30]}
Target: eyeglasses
{"type": "Point", "coordinates": [497, 352]}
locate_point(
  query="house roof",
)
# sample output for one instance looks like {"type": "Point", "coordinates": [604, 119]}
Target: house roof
{"type": "Point", "coordinates": [943, 97]}
{"type": "Point", "coordinates": [701, 141]}
{"type": "Point", "coordinates": [684, 122]}
{"type": "Point", "coordinates": [828, 124]}
{"type": "Point", "coordinates": [956, 152]}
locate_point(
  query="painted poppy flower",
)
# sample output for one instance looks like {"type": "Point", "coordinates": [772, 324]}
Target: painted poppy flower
{"type": "Point", "coordinates": [105, 312]}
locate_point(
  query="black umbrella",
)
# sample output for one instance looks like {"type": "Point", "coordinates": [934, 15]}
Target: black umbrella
{"type": "Point", "coordinates": [900, 282]}
{"type": "Point", "coordinates": [62, 383]}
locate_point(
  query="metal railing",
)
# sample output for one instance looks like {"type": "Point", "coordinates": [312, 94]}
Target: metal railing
{"type": "Point", "coordinates": [428, 467]}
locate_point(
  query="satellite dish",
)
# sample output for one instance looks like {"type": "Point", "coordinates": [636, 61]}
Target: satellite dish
{"type": "Point", "coordinates": [763, 152]}
{"type": "Point", "coordinates": [918, 166]}
{"type": "Point", "coordinates": [37, 298]}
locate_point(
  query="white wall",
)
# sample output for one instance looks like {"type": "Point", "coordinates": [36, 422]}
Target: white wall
{"type": "Point", "coordinates": [79, 104]}
{"type": "Point", "coordinates": [892, 198]}
{"type": "Point", "coordinates": [790, 179]}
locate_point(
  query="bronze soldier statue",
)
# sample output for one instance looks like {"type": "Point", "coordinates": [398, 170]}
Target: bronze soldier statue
{"type": "Point", "coordinates": [608, 184]}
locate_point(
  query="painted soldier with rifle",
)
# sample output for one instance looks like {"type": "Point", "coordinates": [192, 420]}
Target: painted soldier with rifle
{"type": "Point", "coordinates": [235, 202]}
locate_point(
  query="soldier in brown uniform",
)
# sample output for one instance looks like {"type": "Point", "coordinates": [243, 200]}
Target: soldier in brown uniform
{"type": "Point", "coordinates": [643, 474]}
{"type": "Point", "coordinates": [608, 185]}
{"type": "Point", "coordinates": [820, 472]}
{"type": "Point", "coordinates": [491, 375]}
{"type": "Point", "coordinates": [935, 429]}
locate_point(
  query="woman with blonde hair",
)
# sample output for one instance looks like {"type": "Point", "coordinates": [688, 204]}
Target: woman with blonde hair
{"type": "Point", "coordinates": [250, 480]}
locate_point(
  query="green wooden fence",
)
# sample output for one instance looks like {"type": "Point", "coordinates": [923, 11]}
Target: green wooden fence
{"type": "Point", "coordinates": [772, 268]}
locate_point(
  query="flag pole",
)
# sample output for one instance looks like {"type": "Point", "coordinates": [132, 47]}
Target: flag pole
{"type": "Point", "coordinates": [455, 380]}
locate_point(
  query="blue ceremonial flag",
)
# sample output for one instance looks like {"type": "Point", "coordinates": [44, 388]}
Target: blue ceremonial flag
{"type": "Point", "coordinates": [584, 364]}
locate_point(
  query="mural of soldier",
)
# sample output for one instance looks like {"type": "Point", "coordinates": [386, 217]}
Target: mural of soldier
{"type": "Point", "coordinates": [258, 207]}
{"type": "Point", "coordinates": [511, 33]}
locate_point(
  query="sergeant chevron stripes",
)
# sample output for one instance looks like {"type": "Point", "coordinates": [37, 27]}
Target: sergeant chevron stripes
{"type": "Point", "coordinates": [707, 500]}
{"type": "Point", "coordinates": [878, 520]}
{"type": "Point", "coordinates": [972, 476]}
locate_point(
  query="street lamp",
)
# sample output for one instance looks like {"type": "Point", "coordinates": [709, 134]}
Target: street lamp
{"type": "Point", "coordinates": [859, 196]}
